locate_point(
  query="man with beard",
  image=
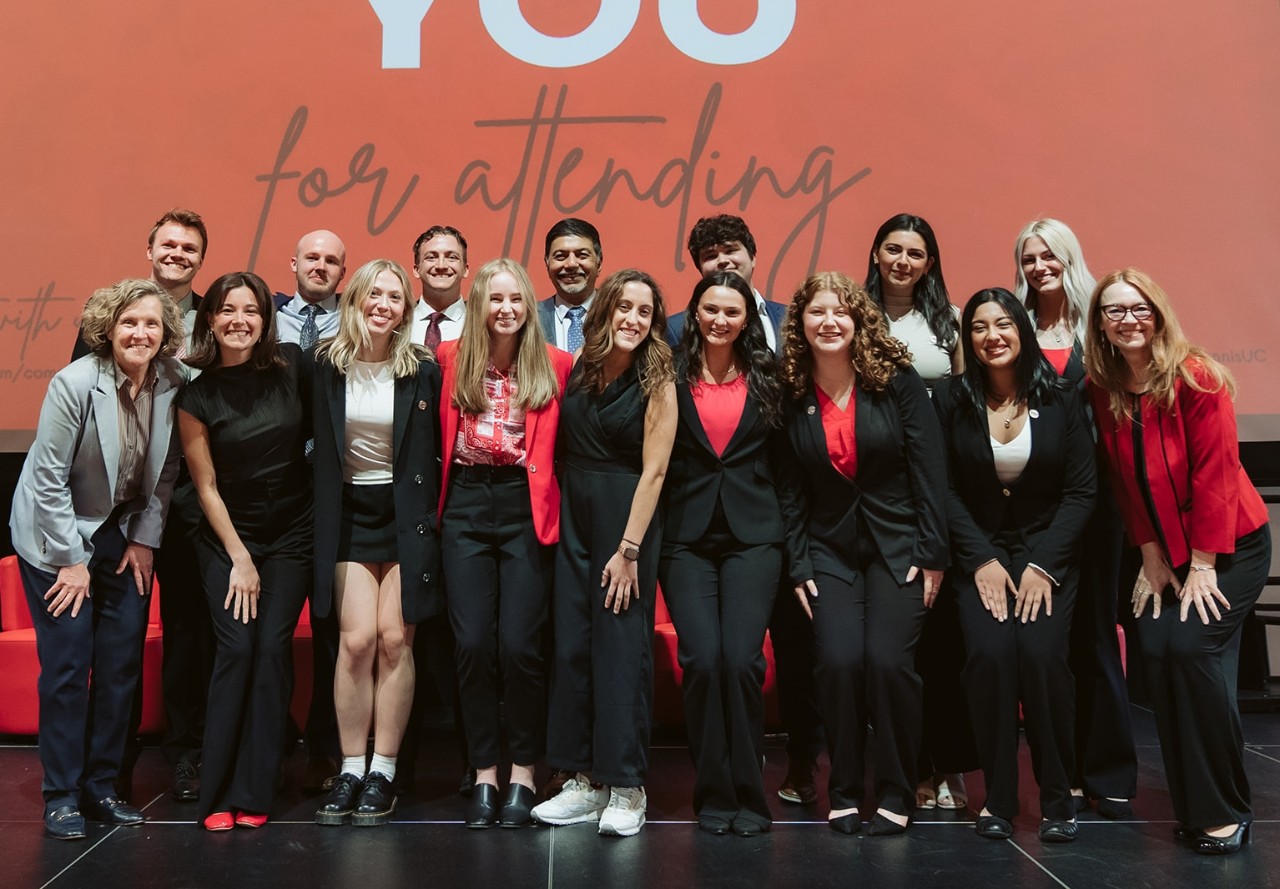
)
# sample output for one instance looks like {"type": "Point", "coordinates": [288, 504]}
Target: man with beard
{"type": "Point", "coordinates": [573, 260]}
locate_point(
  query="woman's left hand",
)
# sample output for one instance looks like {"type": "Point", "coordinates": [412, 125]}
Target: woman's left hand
{"type": "Point", "coordinates": [1033, 590]}
{"type": "Point", "coordinates": [932, 583]}
{"type": "Point", "coordinates": [620, 577]}
{"type": "Point", "coordinates": [1201, 590]}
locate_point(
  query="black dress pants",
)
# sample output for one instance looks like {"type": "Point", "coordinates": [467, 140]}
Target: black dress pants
{"type": "Point", "coordinates": [1014, 662]}
{"type": "Point", "coordinates": [497, 580]}
{"type": "Point", "coordinates": [252, 682]}
{"type": "Point", "coordinates": [89, 670]}
{"type": "Point", "coordinates": [1192, 670]}
{"type": "Point", "coordinates": [720, 594]}
{"type": "Point", "coordinates": [1106, 762]}
{"type": "Point", "coordinates": [867, 627]}
{"type": "Point", "coordinates": [794, 661]}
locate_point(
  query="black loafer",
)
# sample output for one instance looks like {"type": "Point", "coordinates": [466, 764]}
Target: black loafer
{"type": "Point", "coordinates": [467, 785]}
{"type": "Point", "coordinates": [1115, 808]}
{"type": "Point", "coordinates": [993, 827]}
{"type": "Point", "coordinates": [341, 801]}
{"type": "Point", "coordinates": [846, 824]}
{"type": "Point", "coordinates": [748, 827]}
{"type": "Point", "coordinates": [64, 823]}
{"type": "Point", "coordinates": [112, 810]}
{"type": "Point", "coordinates": [186, 782]}
{"type": "Point", "coordinates": [1058, 831]}
{"type": "Point", "coordinates": [483, 811]}
{"type": "Point", "coordinates": [376, 802]}
{"type": "Point", "coordinates": [714, 826]}
{"type": "Point", "coordinates": [517, 806]}
{"type": "Point", "coordinates": [880, 826]}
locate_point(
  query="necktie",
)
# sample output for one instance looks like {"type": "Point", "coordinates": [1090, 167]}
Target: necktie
{"type": "Point", "coordinates": [310, 332]}
{"type": "Point", "coordinates": [574, 339]}
{"type": "Point", "coordinates": [432, 339]}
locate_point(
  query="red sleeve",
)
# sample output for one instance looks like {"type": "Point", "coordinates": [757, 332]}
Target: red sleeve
{"type": "Point", "coordinates": [1213, 455]}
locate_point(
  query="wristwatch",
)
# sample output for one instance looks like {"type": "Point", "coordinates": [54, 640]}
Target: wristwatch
{"type": "Point", "coordinates": [629, 552]}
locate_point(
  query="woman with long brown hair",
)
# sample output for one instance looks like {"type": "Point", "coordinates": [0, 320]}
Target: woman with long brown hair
{"type": "Point", "coordinates": [616, 427]}
{"type": "Point", "coordinates": [869, 456]}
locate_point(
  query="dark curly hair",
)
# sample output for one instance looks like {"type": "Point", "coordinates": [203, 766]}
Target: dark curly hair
{"type": "Point", "coordinates": [875, 355]}
{"type": "Point", "coordinates": [750, 348]}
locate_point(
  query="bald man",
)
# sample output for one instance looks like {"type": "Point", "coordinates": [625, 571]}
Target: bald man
{"type": "Point", "coordinates": [319, 264]}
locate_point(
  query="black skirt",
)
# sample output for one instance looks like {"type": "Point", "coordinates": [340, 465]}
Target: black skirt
{"type": "Point", "coordinates": [368, 532]}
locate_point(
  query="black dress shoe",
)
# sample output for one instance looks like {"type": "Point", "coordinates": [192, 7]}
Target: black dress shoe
{"type": "Point", "coordinates": [748, 827]}
{"type": "Point", "coordinates": [186, 782]}
{"type": "Point", "coordinates": [1115, 808]}
{"type": "Point", "coordinates": [64, 823]}
{"type": "Point", "coordinates": [1080, 802]}
{"type": "Point", "coordinates": [467, 785]}
{"type": "Point", "coordinates": [993, 827]}
{"type": "Point", "coordinates": [712, 825]}
{"type": "Point", "coordinates": [376, 802]}
{"type": "Point", "coordinates": [112, 810]}
{"type": "Point", "coordinates": [1058, 831]}
{"type": "Point", "coordinates": [517, 806]}
{"type": "Point", "coordinates": [341, 801]}
{"type": "Point", "coordinates": [846, 824]}
{"type": "Point", "coordinates": [1211, 845]}
{"type": "Point", "coordinates": [880, 826]}
{"type": "Point", "coordinates": [483, 811]}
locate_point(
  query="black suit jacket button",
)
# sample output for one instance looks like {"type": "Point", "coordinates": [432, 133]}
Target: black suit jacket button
{"type": "Point", "coordinates": [422, 529]}
{"type": "Point", "coordinates": [418, 479]}
{"type": "Point", "coordinates": [422, 405]}
{"type": "Point", "coordinates": [1006, 492]}
{"type": "Point", "coordinates": [426, 578]}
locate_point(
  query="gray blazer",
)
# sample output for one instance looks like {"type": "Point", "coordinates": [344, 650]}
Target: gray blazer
{"type": "Point", "coordinates": [68, 484]}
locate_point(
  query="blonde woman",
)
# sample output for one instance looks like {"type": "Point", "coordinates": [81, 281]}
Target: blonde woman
{"type": "Point", "coordinates": [500, 512]}
{"type": "Point", "coordinates": [375, 400]}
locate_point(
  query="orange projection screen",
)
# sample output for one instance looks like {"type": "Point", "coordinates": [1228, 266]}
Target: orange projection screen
{"type": "Point", "coordinates": [1151, 127]}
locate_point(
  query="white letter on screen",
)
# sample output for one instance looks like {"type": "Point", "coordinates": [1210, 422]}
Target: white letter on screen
{"type": "Point", "coordinates": [684, 28]}
{"type": "Point", "coordinates": [401, 31]}
{"type": "Point", "coordinates": [508, 26]}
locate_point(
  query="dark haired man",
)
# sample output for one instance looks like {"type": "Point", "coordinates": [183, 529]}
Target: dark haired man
{"type": "Point", "coordinates": [573, 257]}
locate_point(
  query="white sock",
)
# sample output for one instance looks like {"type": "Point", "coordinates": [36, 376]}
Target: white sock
{"type": "Point", "coordinates": [384, 764]}
{"type": "Point", "coordinates": [353, 765]}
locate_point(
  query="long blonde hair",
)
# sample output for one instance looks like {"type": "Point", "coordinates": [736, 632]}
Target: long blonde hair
{"type": "Point", "coordinates": [353, 335]}
{"type": "Point", "coordinates": [1172, 356]}
{"type": "Point", "coordinates": [1076, 280]}
{"type": "Point", "coordinates": [537, 385]}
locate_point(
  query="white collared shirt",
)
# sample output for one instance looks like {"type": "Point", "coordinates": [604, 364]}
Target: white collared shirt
{"type": "Point", "coordinates": [289, 319]}
{"type": "Point", "coordinates": [450, 324]}
{"type": "Point", "coordinates": [770, 336]}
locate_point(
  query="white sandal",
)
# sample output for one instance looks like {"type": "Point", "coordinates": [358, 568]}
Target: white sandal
{"type": "Point", "coordinates": [952, 794]}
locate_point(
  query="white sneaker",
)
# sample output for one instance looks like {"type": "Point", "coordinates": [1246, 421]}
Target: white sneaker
{"type": "Point", "coordinates": [624, 815]}
{"type": "Point", "coordinates": [576, 803]}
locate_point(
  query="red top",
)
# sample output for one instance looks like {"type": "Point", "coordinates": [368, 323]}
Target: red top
{"type": "Point", "coordinates": [839, 426]}
{"type": "Point", "coordinates": [1203, 499]}
{"type": "Point", "coordinates": [720, 407]}
{"type": "Point", "coordinates": [1058, 358]}
{"type": "Point", "coordinates": [540, 442]}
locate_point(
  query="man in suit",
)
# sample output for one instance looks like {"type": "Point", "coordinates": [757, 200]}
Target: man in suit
{"type": "Point", "coordinates": [440, 263]}
{"type": "Point", "coordinates": [87, 513]}
{"type": "Point", "coordinates": [573, 258]}
{"type": "Point", "coordinates": [724, 244]}
{"type": "Point", "coordinates": [311, 314]}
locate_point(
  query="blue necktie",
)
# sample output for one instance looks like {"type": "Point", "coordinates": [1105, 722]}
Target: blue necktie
{"type": "Point", "coordinates": [310, 332]}
{"type": "Point", "coordinates": [574, 339]}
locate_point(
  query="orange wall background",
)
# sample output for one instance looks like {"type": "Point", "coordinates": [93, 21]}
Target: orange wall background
{"type": "Point", "coordinates": [1151, 127]}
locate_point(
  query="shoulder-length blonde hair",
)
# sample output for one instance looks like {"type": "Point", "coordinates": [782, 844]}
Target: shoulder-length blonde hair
{"type": "Point", "coordinates": [537, 385]}
{"type": "Point", "coordinates": [652, 357]}
{"type": "Point", "coordinates": [874, 355]}
{"type": "Point", "coordinates": [343, 348]}
{"type": "Point", "coordinates": [107, 304]}
{"type": "Point", "coordinates": [1076, 280]}
{"type": "Point", "coordinates": [1172, 356]}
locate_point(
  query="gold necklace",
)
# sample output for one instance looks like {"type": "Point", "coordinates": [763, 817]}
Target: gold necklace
{"type": "Point", "coordinates": [1013, 410]}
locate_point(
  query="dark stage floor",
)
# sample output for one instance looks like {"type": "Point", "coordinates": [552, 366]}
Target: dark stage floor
{"type": "Point", "coordinates": [427, 846]}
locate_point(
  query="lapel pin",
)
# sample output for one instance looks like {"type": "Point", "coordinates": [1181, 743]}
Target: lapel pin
{"type": "Point", "coordinates": [1033, 414]}
{"type": "Point", "coordinates": [811, 410]}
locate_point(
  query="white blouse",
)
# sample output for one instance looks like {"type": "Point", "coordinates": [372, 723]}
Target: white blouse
{"type": "Point", "coordinates": [1012, 458]}
{"type": "Point", "coordinates": [371, 409]}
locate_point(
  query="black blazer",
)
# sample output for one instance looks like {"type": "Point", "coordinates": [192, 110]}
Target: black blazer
{"type": "Point", "coordinates": [1050, 503]}
{"type": "Point", "coordinates": [900, 490]}
{"type": "Point", "coordinates": [415, 482]}
{"type": "Point", "coordinates": [742, 479]}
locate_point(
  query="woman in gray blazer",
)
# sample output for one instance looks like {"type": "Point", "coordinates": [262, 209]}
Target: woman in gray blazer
{"type": "Point", "coordinates": [89, 509]}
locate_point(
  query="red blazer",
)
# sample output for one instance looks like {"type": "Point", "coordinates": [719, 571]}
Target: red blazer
{"type": "Point", "coordinates": [1202, 497]}
{"type": "Point", "coordinates": [539, 440]}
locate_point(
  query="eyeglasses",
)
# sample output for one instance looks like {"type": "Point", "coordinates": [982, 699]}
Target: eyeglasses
{"type": "Point", "coordinates": [1140, 312]}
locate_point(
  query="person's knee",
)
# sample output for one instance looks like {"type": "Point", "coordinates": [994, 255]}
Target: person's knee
{"type": "Point", "coordinates": [357, 646]}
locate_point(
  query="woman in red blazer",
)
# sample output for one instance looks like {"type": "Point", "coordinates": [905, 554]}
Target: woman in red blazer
{"type": "Point", "coordinates": [1168, 431]}
{"type": "Point", "coordinates": [500, 513]}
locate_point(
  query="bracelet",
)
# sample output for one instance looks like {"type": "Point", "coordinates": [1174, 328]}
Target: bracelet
{"type": "Point", "coordinates": [632, 542]}
{"type": "Point", "coordinates": [1203, 568]}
